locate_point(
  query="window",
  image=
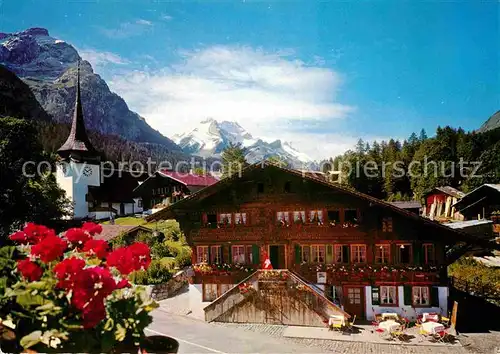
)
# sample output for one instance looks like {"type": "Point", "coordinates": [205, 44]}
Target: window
{"type": "Point", "coordinates": [287, 187]}
{"type": "Point", "coordinates": [334, 216]}
{"type": "Point", "coordinates": [341, 254]}
{"type": "Point", "coordinates": [388, 295]}
{"type": "Point", "coordinates": [225, 219]}
{"type": "Point", "coordinates": [421, 295]}
{"type": "Point", "coordinates": [429, 253]}
{"type": "Point", "coordinates": [283, 217]}
{"type": "Point", "coordinates": [238, 253]}
{"type": "Point", "coordinates": [209, 292]}
{"type": "Point", "coordinates": [201, 254]}
{"type": "Point", "coordinates": [212, 220]}
{"type": "Point", "coordinates": [249, 255]}
{"type": "Point", "coordinates": [404, 253]}
{"type": "Point", "coordinates": [387, 224]}
{"type": "Point", "coordinates": [333, 294]}
{"type": "Point", "coordinates": [358, 253]}
{"type": "Point", "coordinates": [318, 253]}
{"type": "Point", "coordinates": [306, 254]}
{"type": "Point", "coordinates": [351, 216]}
{"type": "Point", "coordinates": [215, 254]}
{"type": "Point", "coordinates": [382, 254]}
{"type": "Point", "coordinates": [260, 187]}
{"type": "Point", "coordinates": [139, 203]}
{"type": "Point", "coordinates": [240, 218]}
{"type": "Point", "coordinates": [316, 216]}
{"type": "Point", "coordinates": [299, 216]}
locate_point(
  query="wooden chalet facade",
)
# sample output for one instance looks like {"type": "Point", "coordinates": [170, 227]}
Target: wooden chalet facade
{"type": "Point", "coordinates": [365, 255]}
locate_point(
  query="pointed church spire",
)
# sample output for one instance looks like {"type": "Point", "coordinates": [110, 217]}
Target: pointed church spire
{"type": "Point", "coordinates": [78, 146]}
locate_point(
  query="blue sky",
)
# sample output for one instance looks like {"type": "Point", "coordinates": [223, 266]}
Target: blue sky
{"type": "Point", "coordinates": [320, 74]}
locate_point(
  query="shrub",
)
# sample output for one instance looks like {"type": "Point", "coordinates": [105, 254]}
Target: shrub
{"type": "Point", "coordinates": [157, 273]}
{"type": "Point", "coordinates": [183, 257]}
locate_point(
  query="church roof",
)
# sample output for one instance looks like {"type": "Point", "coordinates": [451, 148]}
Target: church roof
{"type": "Point", "coordinates": [190, 179]}
{"type": "Point", "coordinates": [78, 145]}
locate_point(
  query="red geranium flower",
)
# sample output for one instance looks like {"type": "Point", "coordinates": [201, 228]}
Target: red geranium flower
{"type": "Point", "coordinates": [121, 259]}
{"type": "Point", "coordinates": [128, 259]}
{"type": "Point", "coordinates": [91, 287]}
{"type": "Point", "coordinates": [66, 271]}
{"type": "Point", "coordinates": [97, 247]}
{"type": "Point", "coordinates": [77, 237]}
{"type": "Point", "coordinates": [50, 248]}
{"type": "Point", "coordinates": [141, 255]}
{"type": "Point", "coordinates": [92, 315]}
{"type": "Point", "coordinates": [123, 284]}
{"type": "Point", "coordinates": [92, 228]}
{"type": "Point", "coordinates": [31, 234]}
{"type": "Point", "coordinates": [30, 270]}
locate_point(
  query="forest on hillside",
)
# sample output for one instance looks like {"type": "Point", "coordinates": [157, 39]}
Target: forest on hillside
{"type": "Point", "coordinates": [113, 148]}
{"type": "Point", "coordinates": [395, 170]}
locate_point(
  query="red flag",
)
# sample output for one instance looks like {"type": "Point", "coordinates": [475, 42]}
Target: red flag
{"type": "Point", "coordinates": [267, 262]}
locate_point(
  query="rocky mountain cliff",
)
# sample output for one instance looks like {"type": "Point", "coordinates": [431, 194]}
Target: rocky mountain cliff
{"type": "Point", "coordinates": [211, 137]}
{"type": "Point", "coordinates": [48, 66]}
{"type": "Point", "coordinates": [17, 100]}
{"type": "Point", "coordinates": [492, 123]}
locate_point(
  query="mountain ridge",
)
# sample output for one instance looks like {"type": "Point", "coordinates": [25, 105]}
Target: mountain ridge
{"type": "Point", "coordinates": [48, 66]}
{"type": "Point", "coordinates": [211, 137]}
{"type": "Point", "coordinates": [491, 123]}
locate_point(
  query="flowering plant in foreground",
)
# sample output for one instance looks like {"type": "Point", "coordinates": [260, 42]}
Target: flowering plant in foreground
{"type": "Point", "coordinates": [71, 292]}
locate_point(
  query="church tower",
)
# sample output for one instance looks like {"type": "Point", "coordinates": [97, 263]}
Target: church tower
{"type": "Point", "coordinates": [79, 165]}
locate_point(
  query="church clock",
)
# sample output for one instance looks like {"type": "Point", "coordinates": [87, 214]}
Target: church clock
{"type": "Point", "coordinates": [87, 171]}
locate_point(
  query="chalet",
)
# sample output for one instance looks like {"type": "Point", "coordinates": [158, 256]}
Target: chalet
{"type": "Point", "coordinates": [95, 193]}
{"type": "Point", "coordinates": [165, 187]}
{"type": "Point", "coordinates": [349, 251]}
{"type": "Point", "coordinates": [482, 203]}
{"type": "Point", "coordinates": [130, 232]}
{"type": "Point", "coordinates": [439, 204]}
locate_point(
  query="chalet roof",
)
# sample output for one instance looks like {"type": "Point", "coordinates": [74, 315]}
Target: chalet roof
{"type": "Point", "coordinates": [190, 179]}
{"type": "Point", "coordinates": [78, 146]}
{"type": "Point", "coordinates": [109, 232]}
{"type": "Point", "coordinates": [118, 187]}
{"type": "Point", "coordinates": [449, 191]}
{"type": "Point", "coordinates": [413, 204]}
{"type": "Point", "coordinates": [477, 195]}
{"type": "Point", "coordinates": [205, 192]}
{"type": "Point", "coordinates": [468, 223]}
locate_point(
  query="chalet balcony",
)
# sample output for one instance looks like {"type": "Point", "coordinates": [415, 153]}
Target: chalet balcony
{"type": "Point", "coordinates": [371, 273]}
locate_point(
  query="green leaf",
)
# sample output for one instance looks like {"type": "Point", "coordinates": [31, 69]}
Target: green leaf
{"type": "Point", "coordinates": [108, 326]}
{"type": "Point", "coordinates": [30, 300]}
{"type": "Point", "coordinates": [31, 339]}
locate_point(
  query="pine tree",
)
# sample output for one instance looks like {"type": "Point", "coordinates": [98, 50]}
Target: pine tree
{"type": "Point", "coordinates": [233, 160]}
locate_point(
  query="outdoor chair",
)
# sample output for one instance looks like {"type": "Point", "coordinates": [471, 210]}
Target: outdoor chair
{"type": "Point", "coordinates": [336, 327]}
{"type": "Point", "coordinates": [442, 337]}
{"type": "Point", "coordinates": [445, 321]}
{"type": "Point", "coordinates": [423, 335]}
{"type": "Point", "coordinates": [350, 325]}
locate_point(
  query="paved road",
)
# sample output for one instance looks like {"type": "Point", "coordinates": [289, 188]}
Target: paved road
{"type": "Point", "coordinates": [195, 336]}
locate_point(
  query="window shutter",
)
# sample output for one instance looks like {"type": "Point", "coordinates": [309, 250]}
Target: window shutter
{"type": "Point", "coordinates": [434, 296]}
{"type": "Point", "coordinates": [298, 256]}
{"type": "Point", "coordinates": [395, 253]}
{"type": "Point", "coordinates": [204, 218]}
{"type": "Point", "coordinates": [407, 295]}
{"type": "Point", "coordinates": [230, 260]}
{"type": "Point", "coordinates": [255, 254]}
{"type": "Point", "coordinates": [417, 251]}
{"type": "Point", "coordinates": [329, 253]}
{"type": "Point", "coordinates": [209, 260]}
{"type": "Point", "coordinates": [375, 295]}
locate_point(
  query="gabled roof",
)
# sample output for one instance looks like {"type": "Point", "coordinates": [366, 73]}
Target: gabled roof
{"type": "Point", "coordinates": [78, 145]}
{"type": "Point", "coordinates": [467, 199]}
{"type": "Point", "coordinates": [208, 191]}
{"type": "Point", "coordinates": [190, 179]}
{"type": "Point", "coordinates": [109, 232]}
{"type": "Point", "coordinates": [413, 204]}
{"type": "Point", "coordinates": [448, 190]}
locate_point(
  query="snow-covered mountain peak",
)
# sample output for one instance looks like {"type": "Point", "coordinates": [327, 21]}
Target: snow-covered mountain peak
{"type": "Point", "coordinates": [211, 137]}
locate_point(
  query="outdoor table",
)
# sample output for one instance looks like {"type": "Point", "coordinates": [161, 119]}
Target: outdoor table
{"type": "Point", "coordinates": [430, 317]}
{"type": "Point", "coordinates": [432, 327]}
{"type": "Point", "coordinates": [387, 315]}
{"type": "Point", "coordinates": [389, 326]}
{"type": "Point", "coordinates": [336, 319]}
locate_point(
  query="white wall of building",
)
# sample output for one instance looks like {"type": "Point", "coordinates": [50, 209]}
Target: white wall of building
{"type": "Point", "coordinates": [405, 311]}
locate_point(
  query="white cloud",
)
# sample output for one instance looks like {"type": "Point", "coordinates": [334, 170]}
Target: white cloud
{"type": "Point", "coordinates": [101, 58]}
{"type": "Point", "coordinates": [144, 22]}
{"type": "Point", "coordinates": [272, 95]}
{"type": "Point", "coordinates": [127, 29]}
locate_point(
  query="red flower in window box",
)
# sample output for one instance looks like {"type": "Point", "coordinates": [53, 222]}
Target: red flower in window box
{"type": "Point", "coordinates": [30, 270]}
{"type": "Point", "coordinates": [49, 249]}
